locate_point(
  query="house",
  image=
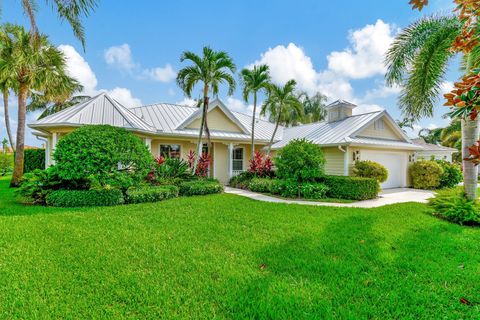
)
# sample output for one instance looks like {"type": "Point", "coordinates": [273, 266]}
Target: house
{"type": "Point", "coordinates": [431, 151]}
{"type": "Point", "coordinates": [171, 130]}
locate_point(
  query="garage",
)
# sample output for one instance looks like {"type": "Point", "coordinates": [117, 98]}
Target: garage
{"type": "Point", "coordinates": [394, 162]}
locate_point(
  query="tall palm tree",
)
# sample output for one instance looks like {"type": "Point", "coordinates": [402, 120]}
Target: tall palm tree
{"type": "Point", "coordinates": [417, 61]}
{"type": "Point", "coordinates": [211, 70]}
{"type": "Point", "coordinates": [313, 106]}
{"type": "Point", "coordinates": [51, 107]}
{"type": "Point", "coordinates": [7, 84]}
{"type": "Point", "coordinates": [34, 68]}
{"type": "Point", "coordinates": [281, 103]}
{"type": "Point", "coordinates": [72, 11]}
{"type": "Point", "coordinates": [254, 80]}
{"type": "Point", "coordinates": [451, 135]}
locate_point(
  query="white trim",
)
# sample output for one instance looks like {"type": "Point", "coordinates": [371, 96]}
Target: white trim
{"type": "Point", "coordinates": [230, 160]}
{"type": "Point", "coordinates": [54, 145]}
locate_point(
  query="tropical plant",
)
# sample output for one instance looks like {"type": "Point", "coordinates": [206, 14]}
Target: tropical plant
{"type": "Point", "coordinates": [40, 69]}
{"type": "Point", "coordinates": [39, 102]}
{"type": "Point", "coordinates": [7, 83]}
{"type": "Point", "coordinates": [172, 168]}
{"type": "Point", "coordinates": [71, 11]}
{"type": "Point", "coordinates": [210, 70]}
{"type": "Point", "coordinates": [4, 145]}
{"type": "Point", "coordinates": [370, 169]}
{"type": "Point", "coordinates": [254, 81]}
{"type": "Point", "coordinates": [261, 165]}
{"type": "Point", "coordinates": [451, 135]}
{"type": "Point", "coordinates": [417, 61]}
{"type": "Point", "coordinates": [313, 106]}
{"type": "Point", "coordinates": [281, 104]}
{"type": "Point", "coordinates": [5, 163]}
{"type": "Point", "coordinates": [203, 163]}
{"type": "Point", "coordinates": [426, 174]}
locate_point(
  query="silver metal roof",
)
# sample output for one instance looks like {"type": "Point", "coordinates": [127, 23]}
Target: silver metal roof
{"type": "Point", "coordinates": [101, 109]}
{"type": "Point", "coordinates": [432, 147]}
{"type": "Point", "coordinates": [383, 143]}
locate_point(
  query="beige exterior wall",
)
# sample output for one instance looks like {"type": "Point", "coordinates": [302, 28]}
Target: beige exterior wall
{"type": "Point", "coordinates": [334, 158]}
{"type": "Point", "coordinates": [217, 120]}
{"type": "Point", "coordinates": [386, 133]}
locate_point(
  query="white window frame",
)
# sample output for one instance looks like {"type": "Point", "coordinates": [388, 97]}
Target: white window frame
{"type": "Point", "coordinates": [236, 160]}
{"type": "Point", "coordinates": [170, 144]}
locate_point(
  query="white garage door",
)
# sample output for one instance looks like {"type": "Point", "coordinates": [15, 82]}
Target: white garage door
{"type": "Point", "coordinates": [395, 163]}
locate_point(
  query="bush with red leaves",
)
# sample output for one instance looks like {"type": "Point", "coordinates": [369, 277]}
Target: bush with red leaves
{"type": "Point", "coordinates": [261, 165]}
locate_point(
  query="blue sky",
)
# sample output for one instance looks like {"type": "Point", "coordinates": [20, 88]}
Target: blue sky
{"type": "Point", "coordinates": [335, 47]}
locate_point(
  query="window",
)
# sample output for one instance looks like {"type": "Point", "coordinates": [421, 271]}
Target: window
{"type": "Point", "coordinates": [378, 124]}
{"type": "Point", "coordinates": [170, 150]}
{"type": "Point", "coordinates": [237, 159]}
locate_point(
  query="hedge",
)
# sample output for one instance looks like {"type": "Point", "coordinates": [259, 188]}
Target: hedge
{"type": "Point", "coordinates": [34, 159]}
{"type": "Point", "coordinates": [85, 198]}
{"type": "Point", "coordinates": [151, 194]}
{"type": "Point", "coordinates": [261, 185]}
{"type": "Point", "coordinates": [351, 188]}
{"type": "Point", "coordinates": [200, 187]}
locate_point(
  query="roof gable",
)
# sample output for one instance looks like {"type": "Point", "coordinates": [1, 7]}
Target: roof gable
{"type": "Point", "coordinates": [215, 106]}
{"type": "Point", "coordinates": [391, 132]}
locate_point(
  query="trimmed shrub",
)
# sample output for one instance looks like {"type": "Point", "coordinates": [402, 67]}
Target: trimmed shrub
{"type": "Point", "coordinates": [425, 174]}
{"type": "Point", "coordinates": [242, 180]}
{"type": "Point", "coordinates": [370, 169]}
{"type": "Point", "coordinates": [451, 176]}
{"type": "Point", "coordinates": [85, 198]}
{"type": "Point", "coordinates": [285, 188]}
{"type": "Point", "coordinates": [261, 185]}
{"type": "Point", "coordinates": [452, 205]}
{"type": "Point", "coordinates": [6, 163]}
{"type": "Point", "coordinates": [313, 190]}
{"type": "Point", "coordinates": [35, 186]}
{"type": "Point", "coordinates": [351, 188]}
{"type": "Point", "coordinates": [112, 156]}
{"type": "Point", "coordinates": [151, 194]}
{"type": "Point", "coordinates": [200, 187]}
{"type": "Point", "coordinates": [300, 160]}
{"type": "Point", "coordinates": [34, 159]}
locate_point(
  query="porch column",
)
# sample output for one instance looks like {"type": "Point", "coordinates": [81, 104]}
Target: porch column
{"type": "Point", "coordinates": [47, 153]}
{"type": "Point", "coordinates": [345, 162]}
{"type": "Point", "coordinates": [230, 160]}
{"type": "Point", "coordinates": [54, 144]}
{"type": "Point", "coordinates": [148, 143]}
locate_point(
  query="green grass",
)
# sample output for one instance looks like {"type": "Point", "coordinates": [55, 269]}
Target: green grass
{"type": "Point", "coordinates": [223, 256]}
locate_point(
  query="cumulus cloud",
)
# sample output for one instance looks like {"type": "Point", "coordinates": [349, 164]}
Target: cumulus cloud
{"type": "Point", "coordinates": [120, 56]}
{"type": "Point", "coordinates": [187, 102]}
{"type": "Point", "coordinates": [364, 108]}
{"type": "Point", "coordinates": [446, 87]}
{"type": "Point", "coordinates": [381, 91]}
{"type": "Point", "coordinates": [161, 74]}
{"type": "Point", "coordinates": [125, 97]}
{"type": "Point", "coordinates": [365, 56]}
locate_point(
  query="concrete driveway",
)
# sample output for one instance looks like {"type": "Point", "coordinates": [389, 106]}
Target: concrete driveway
{"type": "Point", "coordinates": [385, 197]}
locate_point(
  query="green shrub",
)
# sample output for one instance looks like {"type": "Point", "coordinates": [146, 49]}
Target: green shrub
{"type": "Point", "coordinates": [241, 180]}
{"type": "Point", "coordinates": [172, 168]}
{"type": "Point", "coordinates": [313, 190]}
{"type": "Point", "coordinates": [350, 188]}
{"type": "Point", "coordinates": [36, 185]}
{"type": "Point", "coordinates": [113, 156]}
{"type": "Point", "coordinates": [451, 176]}
{"type": "Point", "coordinates": [261, 185]}
{"type": "Point", "coordinates": [370, 169]}
{"type": "Point", "coordinates": [452, 205]}
{"type": "Point", "coordinates": [285, 188]}
{"type": "Point", "coordinates": [34, 159]}
{"type": "Point", "coordinates": [151, 194]}
{"type": "Point", "coordinates": [85, 198]}
{"type": "Point", "coordinates": [425, 174]}
{"type": "Point", "coordinates": [300, 160]}
{"type": "Point", "coordinates": [200, 187]}
{"type": "Point", "coordinates": [6, 163]}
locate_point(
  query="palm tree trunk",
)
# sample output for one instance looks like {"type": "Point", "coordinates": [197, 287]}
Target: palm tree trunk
{"type": "Point", "coordinates": [200, 133]}
{"type": "Point", "coordinates": [470, 134]}
{"type": "Point", "coordinates": [253, 123]}
{"type": "Point", "coordinates": [273, 135]}
{"type": "Point", "coordinates": [7, 119]}
{"type": "Point", "coordinates": [19, 155]}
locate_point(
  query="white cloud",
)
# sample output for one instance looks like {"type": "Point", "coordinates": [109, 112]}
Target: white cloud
{"type": "Point", "coordinates": [381, 91]}
{"type": "Point", "coordinates": [120, 56]}
{"type": "Point", "coordinates": [364, 108]}
{"type": "Point", "coordinates": [238, 105]}
{"type": "Point", "coordinates": [79, 69]}
{"type": "Point", "coordinates": [161, 74]}
{"type": "Point", "coordinates": [187, 102]}
{"type": "Point", "coordinates": [125, 97]}
{"type": "Point", "coordinates": [446, 87]}
{"type": "Point", "coordinates": [365, 57]}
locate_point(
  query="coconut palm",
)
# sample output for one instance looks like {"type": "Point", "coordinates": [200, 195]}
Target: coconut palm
{"type": "Point", "coordinates": [313, 106]}
{"type": "Point", "coordinates": [281, 103]}
{"type": "Point", "coordinates": [72, 11]}
{"type": "Point", "coordinates": [210, 70]}
{"type": "Point", "coordinates": [417, 61]}
{"type": "Point", "coordinates": [35, 69]}
{"type": "Point", "coordinates": [254, 80]}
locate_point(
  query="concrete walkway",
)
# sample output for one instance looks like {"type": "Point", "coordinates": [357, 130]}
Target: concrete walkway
{"type": "Point", "coordinates": [389, 196]}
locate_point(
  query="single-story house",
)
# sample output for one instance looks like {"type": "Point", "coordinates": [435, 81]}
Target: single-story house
{"type": "Point", "coordinates": [171, 130]}
{"type": "Point", "coordinates": [431, 151]}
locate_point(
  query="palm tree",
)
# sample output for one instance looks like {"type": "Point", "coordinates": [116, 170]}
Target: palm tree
{"type": "Point", "coordinates": [281, 103]}
{"type": "Point", "coordinates": [35, 69]}
{"type": "Point", "coordinates": [313, 106]}
{"type": "Point", "coordinates": [417, 61]}
{"type": "Point", "coordinates": [39, 102]}
{"type": "Point", "coordinates": [451, 135]}
{"type": "Point", "coordinates": [6, 84]}
{"type": "Point", "coordinates": [72, 11]}
{"type": "Point", "coordinates": [254, 80]}
{"type": "Point", "coordinates": [211, 70]}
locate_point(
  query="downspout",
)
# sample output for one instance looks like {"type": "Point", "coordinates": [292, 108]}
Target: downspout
{"type": "Point", "coordinates": [345, 159]}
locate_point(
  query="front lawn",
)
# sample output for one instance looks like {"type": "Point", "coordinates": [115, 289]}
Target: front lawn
{"type": "Point", "coordinates": [230, 257]}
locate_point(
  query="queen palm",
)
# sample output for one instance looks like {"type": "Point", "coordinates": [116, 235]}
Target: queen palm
{"type": "Point", "coordinates": [417, 61]}
{"type": "Point", "coordinates": [39, 102]}
{"type": "Point", "coordinates": [313, 106]}
{"type": "Point", "coordinates": [281, 103]}
{"type": "Point", "coordinates": [34, 69]}
{"type": "Point", "coordinates": [254, 81]}
{"type": "Point", "coordinates": [210, 71]}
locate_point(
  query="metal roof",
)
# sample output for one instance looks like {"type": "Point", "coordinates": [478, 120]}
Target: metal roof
{"type": "Point", "coordinates": [100, 109]}
{"type": "Point", "coordinates": [343, 103]}
{"type": "Point", "coordinates": [432, 147]}
{"type": "Point", "coordinates": [383, 143]}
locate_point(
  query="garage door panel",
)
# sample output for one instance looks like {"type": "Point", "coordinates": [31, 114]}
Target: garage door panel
{"type": "Point", "coordinates": [395, 163]}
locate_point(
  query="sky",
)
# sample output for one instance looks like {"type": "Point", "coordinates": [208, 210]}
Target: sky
{"type": "Point", "coordinates": [336, 48]}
